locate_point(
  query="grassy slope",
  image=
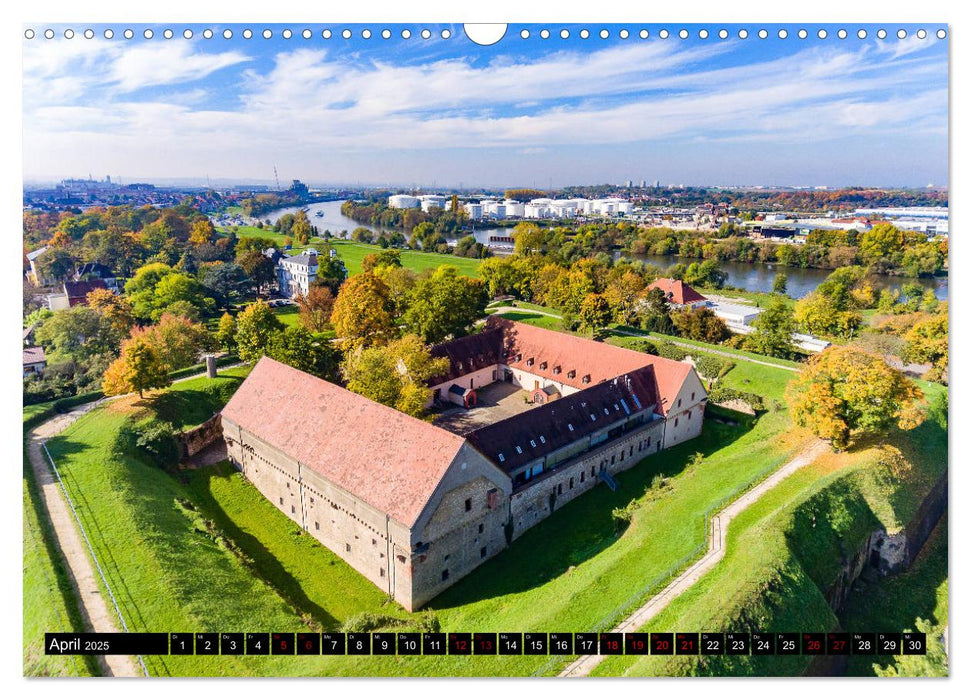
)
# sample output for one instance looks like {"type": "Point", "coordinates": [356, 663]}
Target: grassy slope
{"type": "Point", "coordinates": [785, 549]}
{"type": "Point", "coordinates": [172, 573]}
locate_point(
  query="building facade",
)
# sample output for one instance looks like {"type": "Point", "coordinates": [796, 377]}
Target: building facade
{"type": "Point", "coordinates": [296, 272]}
{"type": "Point", "coordinates": [414, 507]}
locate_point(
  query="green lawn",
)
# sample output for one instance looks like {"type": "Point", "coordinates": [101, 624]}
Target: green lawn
{"type": "Point", "coordinates": [787, 548]}
{"type": "Point", "coordinates": [168, 544]}
{"type": "Point", "coordinates": [288, 315]}
{"type": "Point", "coordinates": [352, 253]}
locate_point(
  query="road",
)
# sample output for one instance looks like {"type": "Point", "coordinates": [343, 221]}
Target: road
{"type": "Point", "coordinates": [583, 665]}
{"type": "Point", "coordinates": [638, 334]}
{"type": "Point", "coordinates": [95, 609]}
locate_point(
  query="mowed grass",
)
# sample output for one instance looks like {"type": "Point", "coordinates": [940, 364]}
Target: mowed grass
{"type": "Point", "coordinates": [787, 547]}
{"type": "Point", "coordinates": [288, 315]}
{"type": "Point", "coordinates": [173, 571]}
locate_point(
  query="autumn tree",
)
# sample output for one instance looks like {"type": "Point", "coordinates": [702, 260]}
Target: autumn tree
{"type": "Point", "coordinates": [528, 238]}
{"type": "Point", "coordinates": [226, 332]}
{"type": "Point", "coordinates": [927, 341]}
{"type": "Point", "coordinates": [444, 304]}
{"type": "Point", "coordinates": [384, 258]}
{"type": "Point", "coordinates": [315, 307]}
{"type": "Point", "coordinates": [624, 293]}
{"type": "Point", "coordinates": [176, 340]}
{"type": "Point", "coordinates": [395, 374]}
{"type": "Point", "coordinates": [700, 324]}
{"type": "Point", "coordinates": [845, 392]}
{"type": "Point", "coordinates": [201, 232]}
{"type": "Point", "coordinates": [55, 264]}
{"type": "Point", "coordinates": [258, 268]}
{"type": "Point", "coordinates": [595, 313]}
{"type": "Point", "coordinates": [114, 308]}
{"type": "Point", "coordinates": [255, 328]}
{"type": "Point", "coordinates": [362, 312]}
{"type": "Point", "coordinates": [137, 369]}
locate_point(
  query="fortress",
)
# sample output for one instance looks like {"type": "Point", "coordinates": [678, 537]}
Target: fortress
{"type": "Point", "coordinates": [528, 419]}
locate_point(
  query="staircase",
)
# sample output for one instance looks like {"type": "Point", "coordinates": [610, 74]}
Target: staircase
{"type": "Point", "coordinates": [605, 477]}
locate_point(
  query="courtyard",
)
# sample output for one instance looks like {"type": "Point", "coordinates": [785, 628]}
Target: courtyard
{"type": "Point", "coordinates": [495, 402]}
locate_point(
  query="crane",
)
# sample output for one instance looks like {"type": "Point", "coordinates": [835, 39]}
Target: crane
{"type": "Point", "coordinates": [277, 178]}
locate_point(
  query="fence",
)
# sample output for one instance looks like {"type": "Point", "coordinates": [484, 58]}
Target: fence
{"type": "Point", "coordinates": [94, 557]}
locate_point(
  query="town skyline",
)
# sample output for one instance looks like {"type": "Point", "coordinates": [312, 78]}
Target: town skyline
{"type": "Point", "coordinates": [529, 112]}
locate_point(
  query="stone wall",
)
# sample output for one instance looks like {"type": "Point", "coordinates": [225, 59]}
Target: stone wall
{"type": "Point", "coordinates": [194, 441]}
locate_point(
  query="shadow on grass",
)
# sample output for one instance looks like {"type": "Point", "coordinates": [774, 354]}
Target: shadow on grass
{"type": "Point", "coordinates": [579, 530]}
{"type": "Point", "coordinates": [269, 567]}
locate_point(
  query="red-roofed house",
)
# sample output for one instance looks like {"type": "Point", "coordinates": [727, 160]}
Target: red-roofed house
{"type": "Point", "coordinates": [678, 293]}
{"type": "Point", "coordinates": [414, 507]}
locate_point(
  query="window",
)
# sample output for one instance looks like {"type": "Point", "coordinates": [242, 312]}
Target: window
{"type": "Point", "coordinates": [281, 500]}
{"type": "Point", "coordinates": [570, 426]}
{"type": "Point", "coordinates": [382, 572]}
{"type": "Point", "coordinates": [586, 379]}
{"type": "Point", "coordinates": [557, 369]}
{"type": "Point", "coordinates": [692, 396]}
{"type": "Point", "coordinates": [501, 458]}
{"type": "Point", "coordinates": [571, 482]}
{"type": "Point", "coordinates": [559, 489]}
{"type": "Point", "coordinates": [679, 403]}
{"type": "Point", "coordinates": [648, 440]}
{"type": "Point", "coordinates": [347, 546]}
{"type": "Point", "coordinates": [481, 528]}
{"type": "Point", "coordinates": [571, 374]}
{"type": "Point", "coordinates": [583, 477]}
{"type": "Point", "coordinates": [532, 443]}
{"type": "Point", "coordinates": [519, 450]}
{"type": "Point", "coordinates": [311, 500]}
{"type": "Point", "coordinates": [468, 504]}
{"type": "Point", "coordinates": [316, 525]}
{"type": "Point", "coordinates": [445, 574]}
{"type": "Point", "coordinates": [629, 454]}
{"type": "Point", "coordinates": [612, 458]}
{"type": "Point", "coordinates": [689, 415]}
{"type": "Point", "coordinates": [482, 553]}
{"type": "Point", "coordinates": [373, 541]}
{"type": "Point", "coordinates": [542, 439]}
{"type": "Point", "coordinates": [529, 362]}
{"type": "Point", "coordinates": [675, 422]}
{"type": "Point", "coordinates": [293, 510]}
{"type": "Point", "coordinates": [542, 365]}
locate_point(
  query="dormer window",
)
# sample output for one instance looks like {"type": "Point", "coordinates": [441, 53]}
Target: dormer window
{"type": "Point", "coordinates": [557, 369]}
{"type": "Point", "coordinates": [519, 357]}
{"type": "Point", "coordinates": [542, 365]}
{"type": "Point", "coordinates": [501, 457]}
{"type": "Point", "coordinates": [529, 362]}
{"type": "Point", "coordinates": [586, 379]}
{"type": "Point", "coordinates": [571, 374]}
{"type": "Point", "coordinates": [519, 450]}
{"type": "Point", "coordinates": [570, 426]}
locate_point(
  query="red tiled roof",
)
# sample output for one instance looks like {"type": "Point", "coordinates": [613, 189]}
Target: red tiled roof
{"type": "Point", "coordinates": [676, 291]}
{"type": "Point", "coordinates": [388, 459]}
{"type": "Point", "coordinates": [601, 361]}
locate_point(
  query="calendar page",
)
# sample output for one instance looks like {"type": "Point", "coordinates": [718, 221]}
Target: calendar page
{"type": "Point", "coordinates": [508, 350]}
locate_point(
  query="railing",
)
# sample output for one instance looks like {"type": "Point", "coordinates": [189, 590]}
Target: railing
{"type": "Point", "coordinates": [622, 611]}
{"type": "Point", "coordinates": [94, 557]}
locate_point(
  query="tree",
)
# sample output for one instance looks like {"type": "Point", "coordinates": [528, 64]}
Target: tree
{"type": "Point", "coordinates": [255, 327]}
{"type": "Point", "coordinates": [225, 281]}
{"type": "Point", "coordinates": [362, 311]}
{"type": "Point", "coordinates": [926, 341]}
{"type": "Point", "coordinates": [156, 286]}
{"type": "Point", "coordinates": [705, 274]}
{"type": "Point", "coordinates": [846, 391]}
{"type": "Point", "coordinates": [252, 243]}
{"type": "Point", "coordinates": [316, 308]}
{"type": "Point", "coordinates": [226, 332]}
{"type": "Point", "coordinates": [700, 324]}
{"type": "Point", "coordinates": [528, 238]}
{"type": "Point", "coordinates": [138, 369]}
{"type": "Point", "coordinates": [773, 330]}
{"type": "Point", "coordinates": [395, 374]}
{"type": "Point", "coordinates": [444, 305]}
{"type": "Point", "coordinates": [385, 258]}
{"type": "Point", "coordinates": [503, 275]}
{"type": "Point", "coordinates": [297, 347]}
{"type": "Point", "coordinates": [114, 308]}
{"type": "Point", "coordinates": [780, 283]}
{"type": "Point", "coordinates": [595, 313]}
{"type": "Point", "coordinates": [176, 340]}
{"type": "Point", "coordinates": [77, 335]}
{"type": "Point", "coordinates": [881, 241]}
{"type": "Point", "coordinates": [624, 293]}
{"type": "Point", "coordinates": [55, 264]}
{"type": "Point", "coordinates": [655, 313]}
{"type": "Point", "coordinates": [331, 271]}
{"type": "Point", "coordinates": [821, 315]}
{"type": "Point", "coordinates": [258, 268]}
{"type": "Point", "coordinates": [202, 231]}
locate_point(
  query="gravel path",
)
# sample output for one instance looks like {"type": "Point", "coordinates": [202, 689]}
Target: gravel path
{"type": "Point", "coordinates": [583, 665]}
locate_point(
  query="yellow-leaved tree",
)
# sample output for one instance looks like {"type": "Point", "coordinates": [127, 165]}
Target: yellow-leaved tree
{"type": "Point", "coordinates": [845, 391]}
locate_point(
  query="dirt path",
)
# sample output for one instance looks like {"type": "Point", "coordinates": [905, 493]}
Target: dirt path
{"type": "Point", "coordinates": [95, 609]}
{"type": "Point", "coordinates": [637, 334]}
{"type": "Point", "coordinates": [583, 665]}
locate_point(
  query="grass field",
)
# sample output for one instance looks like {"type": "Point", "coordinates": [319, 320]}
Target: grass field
{"type": "Point", "coordinates": [787, 547]}
{"type": "Point", "coordinates": [205, 551]}
{"type": "Point", "coordinates": [288, 315]}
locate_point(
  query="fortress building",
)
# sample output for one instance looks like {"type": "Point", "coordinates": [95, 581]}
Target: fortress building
{"type": "Point", "coordinates": [527, 420]}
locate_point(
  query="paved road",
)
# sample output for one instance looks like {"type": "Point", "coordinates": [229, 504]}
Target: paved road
{"type": "Point", "coordinates": [96, 610]}
{"type": "Point", "coordinates": [583, 665]}
{"type": "Point", "coordinates": [640, 334]}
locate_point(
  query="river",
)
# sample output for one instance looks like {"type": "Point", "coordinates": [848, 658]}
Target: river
{"type": "Point", "coordinates": [754, 277]}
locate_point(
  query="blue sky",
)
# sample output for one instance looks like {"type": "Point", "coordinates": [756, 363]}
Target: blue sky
{"type": "Point", "coordinates": [444, 111]}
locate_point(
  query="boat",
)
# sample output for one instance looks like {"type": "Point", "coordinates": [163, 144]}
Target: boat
{"type": "Point", "coordinates": [318, 213]}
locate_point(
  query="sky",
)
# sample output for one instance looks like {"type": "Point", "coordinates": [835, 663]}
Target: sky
{"type": "Point", "coordinates": [444, 112]}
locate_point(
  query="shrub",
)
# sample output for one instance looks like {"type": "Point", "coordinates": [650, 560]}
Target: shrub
{"type": "Point", "coordinates": [153, 440]}
{"type": "Point", "coordinates": [671, 351]}
{"type": "Point", "coordinates": [722, 394]}
{"type": "Point", "coordinates": [711, 367]}
{"type": "Point", "coordinates": [623, 516]}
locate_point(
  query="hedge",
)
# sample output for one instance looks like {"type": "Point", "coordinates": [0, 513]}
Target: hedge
{"type": "Point", "coordinates": [724, 393]}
